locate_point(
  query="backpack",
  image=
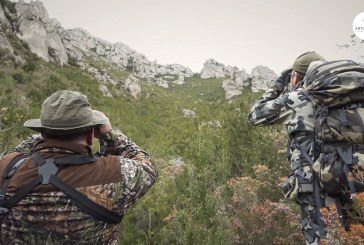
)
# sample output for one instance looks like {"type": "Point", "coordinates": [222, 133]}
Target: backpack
{"type": "Point", "coordinates": [47, 174]}
{"type": "Point", "coordinates": [336, 89]}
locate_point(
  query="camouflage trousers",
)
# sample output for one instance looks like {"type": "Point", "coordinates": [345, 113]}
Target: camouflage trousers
{"type": "Point", "coordinates": [310, 223]}
{"type": "Point", "coordinates": [310, 227]}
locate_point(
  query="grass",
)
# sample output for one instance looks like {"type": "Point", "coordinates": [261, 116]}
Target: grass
{"type": "Point", "coordinates": [190, 204]}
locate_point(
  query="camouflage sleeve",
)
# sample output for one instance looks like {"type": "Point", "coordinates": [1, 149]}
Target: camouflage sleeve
{"type": "Point", "coordinates": [270, 106]}
{"type": "Point", "coordinates": [269, 109]}
{"type": "Point", "coordinates": [138, 170]}
{"type": "Point", "coordinates": [27, 145]}
{"type": "Point", "coordinates": [279, 110]}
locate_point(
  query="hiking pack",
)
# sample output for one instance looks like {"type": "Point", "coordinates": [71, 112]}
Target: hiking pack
{"type": "Point", "coordinates": [47, 174]}
{"type": "Point", "coordinates": [336, 89]}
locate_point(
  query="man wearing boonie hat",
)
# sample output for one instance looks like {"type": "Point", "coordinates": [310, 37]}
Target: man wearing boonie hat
{"type": "Point", "coordinates": [56, 190]}
{"type": "Point", "coordinates": [297, 114]}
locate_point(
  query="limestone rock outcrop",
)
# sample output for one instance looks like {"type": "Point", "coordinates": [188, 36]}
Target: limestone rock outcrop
{"type": "Point", "coordinates": [50, 41]}
{"type": "Point", "coordinates": [4, 43]}
{"type": "Point", "coordinates": [132, 86]}
{"type": "Point", "coordinates": [214, 69]}
{"type": "Point", "coordinates": [262, 78]}
{"type": "Point", "coordinates": [40, 32]}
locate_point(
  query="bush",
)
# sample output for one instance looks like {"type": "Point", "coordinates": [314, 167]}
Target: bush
{"type": "Point", "coordinates": [30, 66]}
{"type": "Point", "coordinates": [19, 77]}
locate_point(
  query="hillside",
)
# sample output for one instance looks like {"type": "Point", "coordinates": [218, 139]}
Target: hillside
{"type": "Point", "coordinates": [209, 165]}
{"type": "Point", "coordinates": [217, 175]}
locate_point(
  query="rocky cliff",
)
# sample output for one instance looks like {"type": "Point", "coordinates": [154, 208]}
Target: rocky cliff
{"type": "Point", "coordinates": [49, 40]}
{"type": "Point", "coordinates": [236, 80]}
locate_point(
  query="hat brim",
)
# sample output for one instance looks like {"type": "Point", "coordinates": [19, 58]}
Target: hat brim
{"type": "Point", "coordinates": [99, 118]}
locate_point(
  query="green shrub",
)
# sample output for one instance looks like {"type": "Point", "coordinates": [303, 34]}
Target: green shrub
{"type": "Point", "coordinates": [225, 192]}
{"type": "Point", "coordinates": [30, 66]}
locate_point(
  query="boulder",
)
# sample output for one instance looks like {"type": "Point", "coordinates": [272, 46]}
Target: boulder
{"type": "Point", "coordinates": [105, 91]}
{"type": "Point", "coordinates": [132, 86]}
{"type": "Point", "coordinates": [229, 94]}
{"type": "Point", "coordinates": [4, 20]}
{"type": "Point", "coordinates": [262, 78]}
{"type": "Point", "coordinates": [213, 69]}
{"type": "Point", "coordinates": [40, 32]}
{"type": "Point", "coordinates": [188, 113]}
{"type": "Point", "coordinates": [4, 43]}
{"type": "Point", "coordinates": [161, 83]}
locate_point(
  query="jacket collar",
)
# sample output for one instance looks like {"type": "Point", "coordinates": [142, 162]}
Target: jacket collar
{"type": "Point", "coordinates": [51, 145]}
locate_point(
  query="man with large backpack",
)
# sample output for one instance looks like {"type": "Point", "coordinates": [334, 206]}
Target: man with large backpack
{"type": "Point", "coordinates": [54, 190]}
{"type": "Point", "coordinates": [319, 103]}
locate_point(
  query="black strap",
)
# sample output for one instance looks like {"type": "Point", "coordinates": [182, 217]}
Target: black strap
{"type": "Point", "coordinates": [47, 170]}
{"type": "Point", "coordinates": [343, 118]}
{"type": "Point", "coordinates": [339, 209]}
{"type": "Point", "coordinates": [13, 165]}
{"type": "Point", "coordinates": [316, 190]}
{"type": "Point", "coordinates": [85, 204]}
{"type": "Point", "coordinates": [349, 182]}
{"type": "Point", "coordinates": [359, 120]}
{"type": "Point", "coordinates": [75, 159]}
{"type": "Point", "coordinates": [22, 192]}
{"type": "Point", "coordinates": [9, 172]}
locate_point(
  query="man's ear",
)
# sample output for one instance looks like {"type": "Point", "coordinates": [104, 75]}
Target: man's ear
{"type": "Point", "coordinates": [295, 80]}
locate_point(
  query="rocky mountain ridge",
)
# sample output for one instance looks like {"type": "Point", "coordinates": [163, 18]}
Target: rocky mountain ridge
{"type": "Point", "coordinates": [49, 40]}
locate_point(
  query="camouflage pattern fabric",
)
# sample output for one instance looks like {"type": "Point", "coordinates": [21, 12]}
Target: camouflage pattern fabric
{"type": "Point", "coordinates": [52, 218]}
{"type": "Point", "coordinates": [296, 111]}
{"type": "Point", "coordinates": [335, 83]}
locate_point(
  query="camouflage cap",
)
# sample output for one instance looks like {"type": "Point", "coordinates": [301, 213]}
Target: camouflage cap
{"type": "Point", "coordinates": [304, 60]}
{"type": "Point", "coordinates": [66, 111]}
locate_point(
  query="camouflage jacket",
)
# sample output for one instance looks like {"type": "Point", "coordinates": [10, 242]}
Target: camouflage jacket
{"type": "Point", "coordinates": [293, 110]}
{"type": "Point", "coordinates": [48, 216]}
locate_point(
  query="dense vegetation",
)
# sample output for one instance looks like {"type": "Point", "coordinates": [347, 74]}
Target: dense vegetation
{"type": "Point", "coordinates": [226, 190]}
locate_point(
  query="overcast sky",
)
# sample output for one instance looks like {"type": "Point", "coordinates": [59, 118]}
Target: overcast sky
{"type": "Point", "coordinates": [242, 33]}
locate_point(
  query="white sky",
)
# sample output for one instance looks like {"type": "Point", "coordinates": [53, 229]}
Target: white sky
{"type": "Point", "coordinates": [242, 33]}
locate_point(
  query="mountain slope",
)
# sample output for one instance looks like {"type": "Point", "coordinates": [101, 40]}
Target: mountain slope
{"type": "Point", "coordinates": [217, 175]}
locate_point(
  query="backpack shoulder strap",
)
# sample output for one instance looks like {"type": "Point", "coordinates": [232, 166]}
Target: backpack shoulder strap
{"type": "Point", "coordinates": [47, 171]}
{"type": "Point", "coordinates": [47, 168]}
{"type": "Point", "coordinates": [10, 170]}
{"type": "Point", "coordinates": [85, 204]}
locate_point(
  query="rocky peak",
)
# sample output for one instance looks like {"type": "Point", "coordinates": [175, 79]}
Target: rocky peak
{"type": "Point", "coordinates": [262, 78]}
{"type": "Point", "coordinates": [213, 69]}
{"type": "Point", "coordinates": [40, 32]}
{"type": "Point", "coordinates": [4, 43]}
{"type": "Point", "coordinates": [46, 38]}
{"type": "Point", "coordinates": [3, 19]}
{"type": "Point", "coordinates": [50, 41]}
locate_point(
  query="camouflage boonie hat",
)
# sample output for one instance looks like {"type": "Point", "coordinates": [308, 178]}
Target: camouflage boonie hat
{"type": "Point", "coordinates": [304, 60]}
{"type": "Point", "coordinates": [66, 112]}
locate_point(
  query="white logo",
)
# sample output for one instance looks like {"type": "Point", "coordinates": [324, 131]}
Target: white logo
{"type": "Point", "coordinates": [358, 25]}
